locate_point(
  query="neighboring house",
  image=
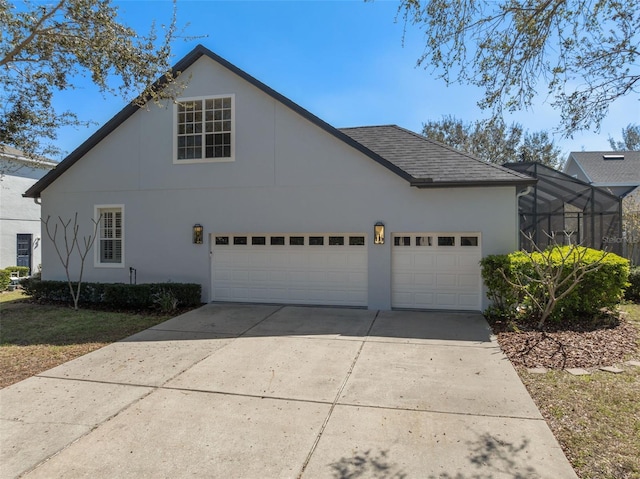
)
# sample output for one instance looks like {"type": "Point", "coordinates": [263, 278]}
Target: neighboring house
{"type": "Point", "coordinates": [616, 171]}
{"type": "Point", "coordinates": [19, 217]}
{"type": "Point", "coordinates": [619, 173]}
{"type": "Point", "coordinates": [239, 189]}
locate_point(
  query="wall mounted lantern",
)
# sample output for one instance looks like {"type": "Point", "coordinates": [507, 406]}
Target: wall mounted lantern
{"type": "Point", "coordinates": [378, 233]}
{"type": "Point", "coordinates": [198, 233]}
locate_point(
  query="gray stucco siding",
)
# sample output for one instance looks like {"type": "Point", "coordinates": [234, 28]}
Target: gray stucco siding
{"type": "Point", "coordinates": [288, 176]}
{"type": "Point", "coordinates": [158, 224]}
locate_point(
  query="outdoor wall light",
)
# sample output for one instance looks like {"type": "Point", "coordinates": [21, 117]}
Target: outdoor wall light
{"type": "Point", "coordinates": [198, 233]}
{"type": "Point", "coordinates": [378, 233]}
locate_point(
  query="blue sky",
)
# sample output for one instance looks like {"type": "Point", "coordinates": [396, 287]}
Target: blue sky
{"type": "Point", "coordinates": [349, 62]}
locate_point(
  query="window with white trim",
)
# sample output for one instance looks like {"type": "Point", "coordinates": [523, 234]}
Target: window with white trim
{"type": "Point", "coordinates": [204, 129]}
{"type": "Point", "coordinates": [110, 240]}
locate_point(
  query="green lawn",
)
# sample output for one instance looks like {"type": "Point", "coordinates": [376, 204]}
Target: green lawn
{"type": "Point", "coordinates": [35, 337]}
{"type": "Point", "coordinates": [595, 418]}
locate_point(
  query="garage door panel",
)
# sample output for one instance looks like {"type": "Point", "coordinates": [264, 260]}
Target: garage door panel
{"type": "Point", "coordinates": [469, 299]}
{"type": "Point", "coordinates": [403, 260]}
{"type": "Point", "coordinates": [240, 276]}
{"type": "Point", "coordinates": [446, 300]}
{"type": "Point", "coordinates": [423, 298]}
{"type": "Point", "coordinates": [446, 260]}
{"type": "Point", "coordinates": [260, 276]}
{"type": "Point", "coordinates": [422, 261]}
{"type": "Point", "coordinates": [317, 277]}
{"type": "Point", "coordinates": [301, 274]}
{"type": "Point", "coordinates": [469, 261]}
{"type": "Point", "coordinates": [337, 261]}
{"type": "Point", "coordinates": [468, 280]}
{"type": "Point", "coordinates": [402, 278]}
{"type": "Point", "coordinates": [357, 260]}
{"type": "Point", "coordinates": [299, 277]}
{"type": "Point", "coordinates": [404, 300]}
{"type": "Point", "coordinates": [444, 280]}
{"type": "Point", "coordinates": [428, 274]}
{"type": "Point", "coordinates": [358, 281]}
{"type": "Point", "coordinates": [337, 277]}
{"type": "Point", "coordinates": [424, 279]}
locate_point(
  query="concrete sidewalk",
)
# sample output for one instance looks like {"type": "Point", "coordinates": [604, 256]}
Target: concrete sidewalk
{"type": "Point", "coordinates": [268, 391]}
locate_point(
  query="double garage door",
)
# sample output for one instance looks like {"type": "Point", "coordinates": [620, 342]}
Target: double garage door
{"type": "Point", "coordinates": [326, 269]}
{"type": "Point", "coordinates": [428, 270]}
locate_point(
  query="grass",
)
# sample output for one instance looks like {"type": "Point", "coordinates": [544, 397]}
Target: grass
{"type": "Point", "coordinates": [595, 418]}
{"type": "Point", "coordinates": [36, 337]}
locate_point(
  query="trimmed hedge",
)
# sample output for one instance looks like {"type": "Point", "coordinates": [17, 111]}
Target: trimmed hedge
{"type": "Point", "coordinates": [602, 288]}
{"type": "Point", "coordinates": [116, 295]}
{"type": "Point", "coordinates": [632, 292]}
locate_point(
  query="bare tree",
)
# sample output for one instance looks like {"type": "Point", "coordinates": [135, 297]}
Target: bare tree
{"type": "Point", "coordinates": [71, 243]}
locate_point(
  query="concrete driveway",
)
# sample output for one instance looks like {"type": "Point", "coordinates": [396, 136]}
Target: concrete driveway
{"type": "Point", "coordinates": [269, 391]}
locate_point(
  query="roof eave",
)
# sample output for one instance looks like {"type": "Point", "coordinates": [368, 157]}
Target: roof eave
{"type": "Point", "coordinates": [429, 183]}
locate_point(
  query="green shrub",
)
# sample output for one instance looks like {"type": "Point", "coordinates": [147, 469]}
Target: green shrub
{"type": "Point", "coordinates": [600, 288]}
{"type": "Point", "coordinates": [503, 296]}
{"type": "Point", "coordinates": [187, 294]}
{"type": "Point", "coordinates": [164, 300]}
{"type": "Point", "coordinates": [632, 293]}
{"type": "Point", "coordinates": [114, 295]}
{"type": "Point", "coordinates": [21, 270]}
{"type": "Point", "coordinates": [5, 279]}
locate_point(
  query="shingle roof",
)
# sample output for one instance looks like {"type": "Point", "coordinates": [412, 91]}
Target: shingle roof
{"type": "Point", "coordinates": [609, 171]}
{"type": "Point", "coordinates": [419, 161]}
{"type": "Point", "coordinates": [13, 154]}
{"type": "Point", "coordinates": [428, 162]}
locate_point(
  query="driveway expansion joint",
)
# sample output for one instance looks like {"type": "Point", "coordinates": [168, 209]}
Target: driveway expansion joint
{"type": "Point", "coordinates": [335, 401]}
{"type": "Point", "coordinates": [262, 320]}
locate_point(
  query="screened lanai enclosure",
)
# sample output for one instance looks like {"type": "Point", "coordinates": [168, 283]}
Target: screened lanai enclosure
{"type": "Point", "coordinates": [564, 209]}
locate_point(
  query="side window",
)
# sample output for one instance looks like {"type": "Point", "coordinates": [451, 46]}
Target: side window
{"type": "Point", "coordinates": [109, 245]}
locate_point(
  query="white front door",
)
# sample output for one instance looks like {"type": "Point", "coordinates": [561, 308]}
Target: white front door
{"type": "Point", "coordinates": [436, 271]}
{"type": "Point", "coordinates": [323, 268]}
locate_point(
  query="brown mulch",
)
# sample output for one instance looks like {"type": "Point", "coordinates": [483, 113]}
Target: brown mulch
{"type": "Point", "coordinates": [574, 346]}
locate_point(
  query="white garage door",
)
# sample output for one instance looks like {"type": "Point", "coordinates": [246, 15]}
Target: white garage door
{"type": "Point", "coordinates": [326, 269]}
{"type": "Point", "coordinates": [436, 271]}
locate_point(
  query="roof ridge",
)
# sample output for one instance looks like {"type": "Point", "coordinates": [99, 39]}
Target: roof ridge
{"type": "Point", "coordinates": [367, 126]}
{"type": "Point", "coordinates": [614, 152]}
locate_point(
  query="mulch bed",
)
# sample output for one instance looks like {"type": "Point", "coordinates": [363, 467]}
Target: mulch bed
{"type": "Point", "coordinates": [571, 346]}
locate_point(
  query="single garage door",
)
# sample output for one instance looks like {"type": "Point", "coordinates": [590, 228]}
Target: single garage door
{"type": "Point", "coordinates": [329, 269]}
{"type": "Point", "coordinates": [436, 271]}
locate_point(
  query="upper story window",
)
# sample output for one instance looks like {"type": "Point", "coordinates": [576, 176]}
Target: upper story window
{"type": "Point", "coordinates": [204, 129]}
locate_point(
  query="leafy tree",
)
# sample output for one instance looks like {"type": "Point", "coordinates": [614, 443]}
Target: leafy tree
{"type": "Point", "coordinates": [494, 142]}
{"type": "Point", "coordinates": [587, 52]}
{"type": "Point", "coordinates": [630, 139]}
{"type": "Point", "coordinates": [46, 47]}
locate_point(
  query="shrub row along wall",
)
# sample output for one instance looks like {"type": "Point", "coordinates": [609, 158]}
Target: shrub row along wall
{"type": "Point", "coordinates": [117, 295]}
{"type": "Point", "coordinates": [602, 288]}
